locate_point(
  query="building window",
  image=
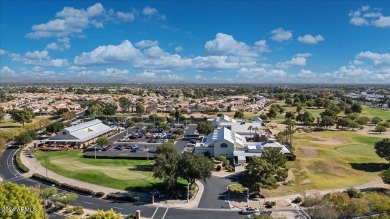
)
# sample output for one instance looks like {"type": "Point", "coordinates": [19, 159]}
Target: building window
{"type": "Point", "coordinates": [64, 133]}
{"type": "Point", "coordinates": [224, 145]}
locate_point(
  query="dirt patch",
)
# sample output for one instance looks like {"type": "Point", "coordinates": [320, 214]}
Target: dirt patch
{"type": "Point", "coordinates": [291, 176]}
{"type": "Point", "coordinates": [309, 152]}
{"type": "Point", "coordinates": [306, 181]}
{"type": "Point", "coordinates": [331, 141]}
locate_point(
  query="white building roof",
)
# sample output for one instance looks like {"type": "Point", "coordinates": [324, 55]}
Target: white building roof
{"type": "Point", "coordinates": [243, 127]}
{"type": "Point", "coordinates": [224, 134]}
{"type": "Point", "coordinates": [82, 132]}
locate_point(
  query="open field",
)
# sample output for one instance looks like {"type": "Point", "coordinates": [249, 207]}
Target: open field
{"type": "Point", "coordinates": [332, 159]}
{"type": "Point", "coordinates": [114, 173]}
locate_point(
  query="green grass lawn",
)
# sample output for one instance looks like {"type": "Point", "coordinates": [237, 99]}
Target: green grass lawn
{"type": "Point", "coordinates": [114, 173]}
{"type": "Point", "coordinates": [332, 159]}
{"type": "Point", "coordinates": [372, 112]}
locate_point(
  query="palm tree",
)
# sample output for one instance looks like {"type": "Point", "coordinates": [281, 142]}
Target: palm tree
{"type": "Point", "coordinates": [250, 128]}
{"type": "Point", "coordinates": [290, 124]}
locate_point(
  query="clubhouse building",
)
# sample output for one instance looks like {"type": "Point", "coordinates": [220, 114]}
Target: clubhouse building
{"type": "Point", "coordinates": [80, 135]}
{"type": "Point", "coordinates": [225, 142]}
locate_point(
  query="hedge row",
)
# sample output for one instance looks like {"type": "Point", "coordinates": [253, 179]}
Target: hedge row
{"type": "Point", "coordinates": [64, 185]}
{"type": "Point", "coordinates": [19, 162]}
{"type": "Point", "coordinates": [78, 189]}
{"type": "Point", "coordinates": [123, 197]}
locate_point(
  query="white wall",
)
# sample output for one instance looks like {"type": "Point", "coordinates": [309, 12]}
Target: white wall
{"type": "Point", "coordinates": [228, 151]}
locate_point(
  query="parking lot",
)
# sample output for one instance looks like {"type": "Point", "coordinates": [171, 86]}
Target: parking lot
{"type": "Point", "coordinates": [138, 142]}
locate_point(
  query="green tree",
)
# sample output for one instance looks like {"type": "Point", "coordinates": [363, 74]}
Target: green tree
{"type": "Point", "coordinates": [110, 109]}
{"type": "Point", "coordinates": [110, 214]}
{"type": "Point", "coordinates": [289, 115]}
{"type": "Point", "coordinates": [385, 175]}
{"type": "Point", "coordinates": [362, 120]}
{"type": "Point", "coordinates": [25, 115]}
{"type": "Point", "coordinates": [239, 114]}
{"type": "Point", "coordinates": [259, 174]}
{"type": "Point", "coordinates": [347, 207]}
{"type": "Point", "coordinates": [356, 108]}
{"type": "Point", "coordinates": [68, 115]}
{"type": "Point", "coordinates": [205, 127]}
{"type": "Point", "coordinates": [139, 108]}
{"type": "Point", "coordinates": [125, 104]}
{"type": "Point", "coordinates": [166, 165]}
{"type": "Point", "coordinates": [380, 128]}
{"type": "Point", "coordinates": [55, 127]}
{"type": "Point", "coordinates": [382, 148]}
{"type": "Point", "coordinates": [327, 121]}
{"type": "Point", "coordinates": [195, 167]}
{"type": "Point", "coordinates": [2, 113]}
{"type": "Point", "coordinates": [14, 196]}
{"type": "Point", "coordinates": [274, 157]}
{"type": "Point", "coordinates": [376, 120]}
{"type": "Point", "coordinates": [62, 110]}
{"type": "Point", "coordinates": [25, 138]}
{"type": "Point", "coordinates": [272, 113]}
{"type": "Point", "coordinates": [102, 141]}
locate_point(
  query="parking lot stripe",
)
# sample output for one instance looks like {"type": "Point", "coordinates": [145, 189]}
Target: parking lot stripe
{"type": "Point", "coordinates": [165, 213]}
{"type": "Point", "coordinates": [155, 212]}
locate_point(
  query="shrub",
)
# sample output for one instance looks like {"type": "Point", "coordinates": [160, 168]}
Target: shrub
{"type": "Point", "coordinates": [46, 179]}
{"type": "Point", "coordinates": [219, 167]}
{"type": "Point", "coordinates": [19, 163]}
{"type": "Point", "coordinates": [269, 204]}
{"type": "Point", "coordinates": [122, 197]}
{"type": "Point", "coordinates": [353, 193]}
{"type": "Point", "coordinates": [99, 194]}
{"type": "Point", "coordinates": [229, 168]}
{"type": "Point", "coordinates": [297, 200]}
{"type": "Point", "coordinates": [78, 210]}
{"type": "Point", "coordinates": [69, 210]}
{"type": "Point", "coordinates": [78, 189]}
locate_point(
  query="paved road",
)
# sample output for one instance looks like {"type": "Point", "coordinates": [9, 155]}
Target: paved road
{"type": "Point", "coordinates": [182, 144]}
{"type": "Point", "coordinates": [215, 191]}
{"type": "Point", "coordinates": [9, 173]}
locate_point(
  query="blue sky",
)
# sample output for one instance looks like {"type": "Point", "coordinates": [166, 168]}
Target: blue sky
{"type": "Point", "coordinates": [195, 41]}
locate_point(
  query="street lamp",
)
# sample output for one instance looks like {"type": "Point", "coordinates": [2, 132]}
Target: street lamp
{"type": "Point", "coordinates": [95, 152]}
{"type": "Point", "coordinates": [247, 196]}
{"type": "Point", "coordinates": [188, 192]}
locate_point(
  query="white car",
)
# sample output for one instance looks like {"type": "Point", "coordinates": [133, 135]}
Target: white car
{"type": "Point", "coordinates": [249, 210]}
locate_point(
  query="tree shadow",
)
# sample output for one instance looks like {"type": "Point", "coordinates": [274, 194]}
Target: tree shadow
{"type": "Point", "coordinates": [10, 126]}
{"type": "Point", "coordinates": [147, 168]}
{"type": "Point", "coordinates": [370, 167]}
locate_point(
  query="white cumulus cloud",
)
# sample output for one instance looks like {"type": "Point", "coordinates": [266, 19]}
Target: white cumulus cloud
{"type": "Point", "coordinates": [377, 58]}
{"type": "Point", "coordinates": [146, 43]}
{"type": "Point", "coordinates": [280, 35]}
{"type": "Point", "coordinates": [225, 44]}
{"type": "Point", "coordinates": [309, 39]}
{"type": "Point", "coordinates": [365, 16]}
{"type": "Point", "coordinates": [147, 74]}
{"type": "Point", "coordinates": [124, 52]}
{"type": "Point", "coordinates": [152, 12]}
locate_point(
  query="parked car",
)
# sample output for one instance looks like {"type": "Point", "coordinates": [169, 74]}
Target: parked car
{"type": "Point", "coordinates": [192, 141]}
{"type": "Point", "coordinates": [249, 210]}
{"type": "Point", "coordinates": [134, 146]}
{"type": "Point", "coordinates": [134, 150]}
{"type": "Point", "coordinates": [153, 150]}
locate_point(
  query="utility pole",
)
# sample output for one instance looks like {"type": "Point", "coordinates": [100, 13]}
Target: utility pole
{"type": "Point", "coordinates": [46, 165]}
